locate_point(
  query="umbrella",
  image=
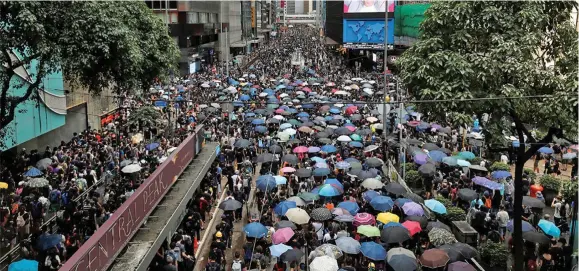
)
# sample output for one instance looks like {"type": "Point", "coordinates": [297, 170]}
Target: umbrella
{"type": "Point", "coordinates": [545, 150]}
{"type": "Point", "coordinates": [454, 254]}
{"type": "Point", "coordinates": [303, 173]}
{"type": "Point", "coordinates": [420, 159]}
{"type": "Point", "coordinates": [282, 207]}
{"type": "Point", "coordinates": [340, 211]}
{"type": "Point", "coordinates": [430, 147]}
{"type": "Point", "coordinates": [364, 219]}
{"type": "Point", "coordinates": [500, 174]}
{"type": "Point", "coordinates": [292, 255]}
{"type": "Point", "coordinates": [290, 158]}
{"type": "Point", "coordinates": [242, 143]}
{"type": "Point", "coordinates": [46, 241]}
{"type": "Point", "coordinates": [275, 149]}
{"type": "Point", "coordinates": [266, 183]}
{"type": "Point", "coordinates": [374, 162]}
{"type": "Point", "coordinates": [467, 194]}
{"type": "Point", "coordinates": [298, 216]}
{"type": "Point", "coordinates": [465, 250]}
{"type": "Point", "coordinates": [265, 158]}
{"type": "Point", "coordinates": [476, 167]}
{"type": "Point", "coordinates": [280, 180]}
{"type": "Point", "coordinates": [24, 265]}
{"type": "Point", "coordinates": [382, 203]}
{"type": "Point", "coordinates": [329, 148]}
{"type": "Point", "coordinates": [427, 169]}
{"type": "Point", "coordinates": [255, 230]}
{"type": "Point", "coordinates": [300, 149]}
{"type": "Point", "coordinates": [369, 195]}
{"type": "Point", "coordinates": [368, 230]}
{"type": "Point", "coordinates": [33, 172]}
{"type": "Point", "coordinates": [329, 250]}
{"type": "Point", "coordinates": [350, 206]}
{"type": "Point", "coordinates": [434, 258]}
{"type": "Point", "coordinates": [348, 245]}
{"type": "Point", "coordinates": [414, 197]}
{"type": "Point", "coordinates": [321, 214]}
{"type": "Point", "coordinates": [373, 251]}
{"type": "Point", "coordinates": [438, 225]}
{"type": "Point", "coordinates": [277, 250]}
{"type": "Point", "coordinates": [412, 209]}
{"type": "Point", "coordinates": [43, 163]}
{"type": "Point", "coordinates": [230, 205]}
{"type": "Point", "coordinates": [38, 182]}
{"type": "Point", "coordinates": [466, 155]}
{"type": "Point", "coordinates": [536, 237]}
{"type": "Point", "coordinates": [328, 190]}
{"type": "Point", "coordinates": [435, 206]}
{"type": "Point", "coordinates": [401, 259]}
{"type": "Point", "coordinates": [385, 218]}
{"type": "Point", "coordinates": [3, 185]}
{"type": "Point", "coordinates": [307, 196]}
{"type": "Point", "coordinates": [533, 202]}
{"type": "Point", "coordinates": [285, 224]}
{"type": "Point", "coordinates": [460, 266]}
{"type": "Point", "coordinates": [451, 161]}
{"type": "Point", "coordinates": [342, 165]}
{"type": "Point", "coordinates": [370, 148]}
{"type": "Point", "coordinates": [394, 234]}
{"type": "Point", "coordinates": [420, 219]}
{"type": "Point", "coordinates": [412, 226]}
{"type": "Point", "coordinates": [526, 226]}
{"type": "Point", "coordinates": [152, 146]}
{"type": "Point", "coordinates": [344, 218]}
{"type": "Point", "coordinates": [297, 200]}
{"type": "Point", "coordinates": [324, 263]}
{"type": "Point", "coordinates": [439, 237]}
{"type": "Point", "coordinates": [288, 170]}
{"type": "Point", "coordinates": [437, 155]}
{"type": "Point", "coordinates": [549, 228]}
{"type": "Point", "coordinates": [282, 235]}
{"type": "Point", "coordinates": [372, 183]}
{"type": "Point", "coordinates": [395, 188]}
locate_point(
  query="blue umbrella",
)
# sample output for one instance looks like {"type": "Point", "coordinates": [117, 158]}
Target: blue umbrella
{"type": "Point", "coordinates": [319, 172]}
{"type": "Point", "coordinates": [549, 228]}
{"type": "Point", "coordinates": [308, 106]}
{"type": "Point", "coordinates": [329, 149]}
{"type": "Point", "coordinates": [282, 207]}
{"type": "Point", "coordinates": [277, 250]}
{"type": "Point", "coordinates": [33, 172]}
{"type": "Point", "coordinates": [342, 165]}
{"type": "Point", "coordinates": [47, 241]}
{"type": "Point", "coordinates": [318, 159]}
{"type": "Point", "coordinates": [500, 174]}
{"type": "Point", "coordinates": [313, 149]}
{"type": "Point", "coordinates": [437, 155]}
{"type": "Point", "coordinates": [356, 144]}
{"type": "Point", "coordinates": [255, 230]}
{"type": "Point", "coordinates": [526, 226]}
{"type": "Point", "coordinates": [284, 126]}
{"type": "Point", "coordinates": [160, 103]}
{"type": "Point", "coordinates": [303, 114]}
{"type": "Point", "coordinates": [466, 155]}
{"type": "Point", "coordinates": [370, 194]}
{"type": "Point", "coordinates": [23, 265]}
{"type": "Point", "coordinates": [393, 224]}
{"type": "Point", "coordinates": [401, 201]}
{"type": "Point", "coordinates": [373, 251]}
{"type": "Point", "coordinates": [261, 129]}
{"type": "Point", "coordinates": [257, 122]}
{"type": "Point", "coordinates": [546, 150]}
{"type": "Point", "coordinates": [279, 180]}
{"type": "Point", "coordinates": [328, 190]}
{"type": "Point", "coordinates": [351, 206]}
{"type": "Point", "coordinates": [335, 182]}
{"type": "Point", "coordinates": [152, 146]}
{"type": "Point", "coordinates": [335, 110]}
{"type": "Point", "coordinates": [244, 97]}
{"type": "Point", "coordinates": [266, 183]}
{"type": "Point", "coordinates": [435, 206]}
{"type": "Point", "coordinates": [382, 203]}
{"type": "Point", "coordinates": [237, 104]}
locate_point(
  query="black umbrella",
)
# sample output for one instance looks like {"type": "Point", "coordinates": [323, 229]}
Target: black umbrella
{"type": "Point", "coordinates": [412, 141]}
{"type": "Point", "coordinates": [275, 149]}
{"type": "Point", "coordinates": [414, 197]}
{"type": "Point", "coordinates": [395, 188]}
{"type": "Point", "coordinates": [321, 214]}
{"type": "Point", "coordinates": [364, 132]}
{"type": "Point", "coordinates": [430, 147]}
{"type": "Point", "coordinates": [453, 253]}
{"type": "Point", "coordinates": [294, 141]}
{"type": "Point", "coordinates": [303, 173]}
{"type": "Point", "coordinates": [242, 143]}
{"type": "Point", "coordinates": [536, 237]}
{"type": "Point", "coordinates": [420, 219]}
{"type": "Point", "coordinates": [265, 157]}
{"type": "Point", "coordinates": [467, 194]}
{"type": "Point", "coordinates": [437, 224]}
{"type": "Point", "coordinates": [533, 202]}
{"type": "Point", "coordinates": [290, 158]}
{"type": "Point", "coordinates": [466, 250]}
{"type": "Point", "coordinates": [230, 205]}
{"type": "Point", "coordinates": [285, 224]}
{"type": "Point", "coordinates": [342, 131]}
{"type": "Point", "coordinates": [325, 140]}
{"type": "Point", "coordinates": [292, 255]}
{"type": "Point", "coordinates": [427, 169]}
{"type": "Point", "coordinates": [374, 162]}
{"type": "Point", "coordinates": [394, 235]}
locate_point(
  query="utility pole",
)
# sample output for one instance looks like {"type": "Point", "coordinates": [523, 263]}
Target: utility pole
{"type": "Point", "coordinates": [227, 45]}
{"type": "Point", "coordinates": [384, 130]}
{"type": "Point", "coordinates": [167, 13]}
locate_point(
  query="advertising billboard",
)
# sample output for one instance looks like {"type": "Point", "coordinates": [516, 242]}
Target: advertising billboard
{"type": "Point", "coordinates": [108, 241]}
{"type": "Point", "coordinates": [368, 6]}
{"type": "Point", "coordinates": [366, 33]}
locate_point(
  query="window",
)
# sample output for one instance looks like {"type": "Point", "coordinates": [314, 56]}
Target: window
{"type": "Point", "coordinates": [215, 18]}
{"type": "Point", "coordinates": [176, 40]}
{"type": "Point", "coordinates": [174, 18]}
{"type": "Point", "coordinates": [203, 17]}
{"type": "Point", "coordinates": [192, 17]}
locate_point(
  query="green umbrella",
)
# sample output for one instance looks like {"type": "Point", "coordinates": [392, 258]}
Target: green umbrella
{"type": "Point", "coordinates": [307, 196]}
{"type": "Point", "coordinates": [369, 231]}
{"type": "Point", "coordinates": [356, 137]}
{"type": "Point", "coordinates": [355, 165]}
{"type": "Point", "coordinates": [294, 122]}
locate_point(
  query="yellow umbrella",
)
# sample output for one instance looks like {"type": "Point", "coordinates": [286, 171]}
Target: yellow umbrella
{"type": "Point", "coordinates": [3, 185]}
{"type": "Point", "coordinates": [387, 217]}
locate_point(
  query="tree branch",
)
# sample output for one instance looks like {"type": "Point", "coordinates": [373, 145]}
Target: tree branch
{"type": "Point", "coordinates": [5, 88]}
{"type": "Point", "coordinates": [524, 129]}
{"type": "Point", "coordinates": [553, 131]}
{"type": "Point", "coordinates": [16, 101]}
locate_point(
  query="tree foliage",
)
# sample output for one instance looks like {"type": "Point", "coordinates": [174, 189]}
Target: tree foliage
{"type": "Point", "coordinates": [146, 116]}
{"type": "Point", "coordinates": [96, 44]}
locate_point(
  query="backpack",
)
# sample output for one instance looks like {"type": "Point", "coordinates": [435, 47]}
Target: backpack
{"type": "Point", "coordinates": [37, 209]}
{"type": "Point", "coordinates": [20, 222]}
{"type": "Point", "coordinates": [236, 266]}
{"type": "Point", "coordinates": [531, 265]}
{"type": "Point", "coordinates": [54, 196]}
{"type": "Point", "coordinates": [213, 267]}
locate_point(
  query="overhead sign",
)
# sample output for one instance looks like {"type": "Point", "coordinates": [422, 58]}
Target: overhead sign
{"type": "Point", "coordinates": [368, 33]}
{"type": "Point", "coordinates": [368, 6]}
{"type": "Point", "coordinates": [253, 23]}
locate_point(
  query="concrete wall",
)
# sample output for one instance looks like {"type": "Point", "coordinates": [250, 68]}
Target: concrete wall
{"type": "Point", "coordinates": [97, 105]}
{"type": "Point", "coordinates": [76, 121]}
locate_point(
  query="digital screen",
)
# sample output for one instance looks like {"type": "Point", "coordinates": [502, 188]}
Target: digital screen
{"type": "Point", "coordinates": [367, 33]}
{"type": "Point", "coordinates": [368, 6]}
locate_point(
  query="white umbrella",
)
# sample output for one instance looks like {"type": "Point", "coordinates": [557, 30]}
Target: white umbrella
{"type": "Point", "coordinates": [344, 138]}
{"type": "Point", "coordinates": [370, 148]}
{"type": "Point", "coordinates": [339, 105]}
{"type": "Point", "coordinates": [241, 79]}
{"type": "Point", "coordinates": [279, 117]}
{"type": "Point", "coordinates": [263, 94]}
{"type": "Point", "coordinates": [205, 85]}
{"type": "Point", "coordinates": [299, 201]}
{"type": "Point", "coordinates": [131, 168]}
{"type": "Point", "coordinates": [37, 182]}
{"type": "Point", "coordinates": [170, 150]}
{"type": "Point", "coordinates": [369, 91]}
{"type": "Point", "coordinates": [357, 79]}
{"type": "Point", "coordinates": [290, 131]}
{"type": "Point", "coordinates": [283, 95]}
{"type": "Point", "coordinates": [231, 88]}
{"type": "Point", "coordinates": [298, 216]}
{"type": "Point", "coordinates": [347, 88]}
{"type": "Point", "coordinates": [341, 92]}
{"type": "Point", "coordinates": [299, 92]}
{"type": "Point", "coordinates": [162, 159]}
{"type": "Point", "coordinates": [372, 82]}
{"type": "Point", "coordinates": [283, 136]}
{"type": "Point", "coordinates": [203, 106]}
{"type": "Point", "coordinates": [354, 86]}
{"type": "Point", "coordinates": [372, 183]}
{"type": "Point", "coordinates": [216, 105]}
{"type": "Point", "coordinates": [324, 263]}
{"type": "Point", "coordinates": [372, 119]}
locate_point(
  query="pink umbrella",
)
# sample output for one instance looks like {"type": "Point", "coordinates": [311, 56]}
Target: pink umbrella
{"type": "Point", "coordinates": [307, 89]}
{"type": "Point", "coordinates": [288, 170]}
{"type": "Point", "coordinates": [364, 219]}
{"type": "Point", "coordinates": [301, 149]}
{"type": "Point", "coordinates": [413, 123]}
{"type": "Point", "coordinates": [282, 235]}
{"type": "Point", "coordinates": [351, 128]}
{"type": "Point", "coordinates": [334, 90]}
{"type": "Point", "coordinates": [574, 147]}
{"type": "Point", "coordinates": [279, 111]}
{"type": "Point", "coordinates": [412, 226]}
{"type": "Point", "coordinates": [256, 86]}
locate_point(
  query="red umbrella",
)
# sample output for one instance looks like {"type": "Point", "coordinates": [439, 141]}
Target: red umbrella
{"type": "Point", "coordinates": [412, 226]}
{"type": "Point", "coordinates": [413, 123]}
{"type": "Point", "coordinates": [301, 149]}
{"type": "Point", "coordinates": [351, 110]}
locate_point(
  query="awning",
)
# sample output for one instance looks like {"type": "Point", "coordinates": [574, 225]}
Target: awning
{"type": "Point", "coordinates": [330, 41]}
{"type": "Point", "coordinates": [238, 44]}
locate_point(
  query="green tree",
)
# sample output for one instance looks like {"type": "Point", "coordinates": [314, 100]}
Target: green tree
{"type": "Point", "coordinates": [146, 116]}
{"type": "Point", "coordinates": [514, 60]}
{"type": "Point", "coordinates": [96, 44]}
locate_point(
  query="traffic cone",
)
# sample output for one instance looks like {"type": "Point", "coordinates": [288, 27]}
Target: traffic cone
{"type": "Point", "coordinates": [195, 243]}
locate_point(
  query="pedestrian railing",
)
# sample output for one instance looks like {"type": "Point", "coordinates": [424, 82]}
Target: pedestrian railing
{"type": "Point", "coordinates": [395, 177]}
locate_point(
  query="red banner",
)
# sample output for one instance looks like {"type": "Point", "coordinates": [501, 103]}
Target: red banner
{"type": "Point", "coordinates": [99, 252]}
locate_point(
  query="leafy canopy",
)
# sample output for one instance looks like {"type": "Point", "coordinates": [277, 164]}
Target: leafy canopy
{"type": "Point", "coordinates": [488, 49]}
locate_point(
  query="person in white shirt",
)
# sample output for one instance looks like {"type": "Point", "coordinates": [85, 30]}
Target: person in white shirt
{"type": "Point", "coordinates": [504, 159]}
{"type": "Point", "coordinates": [503, 220]}
{"type": "Point", "coordinates": [557, 203]}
